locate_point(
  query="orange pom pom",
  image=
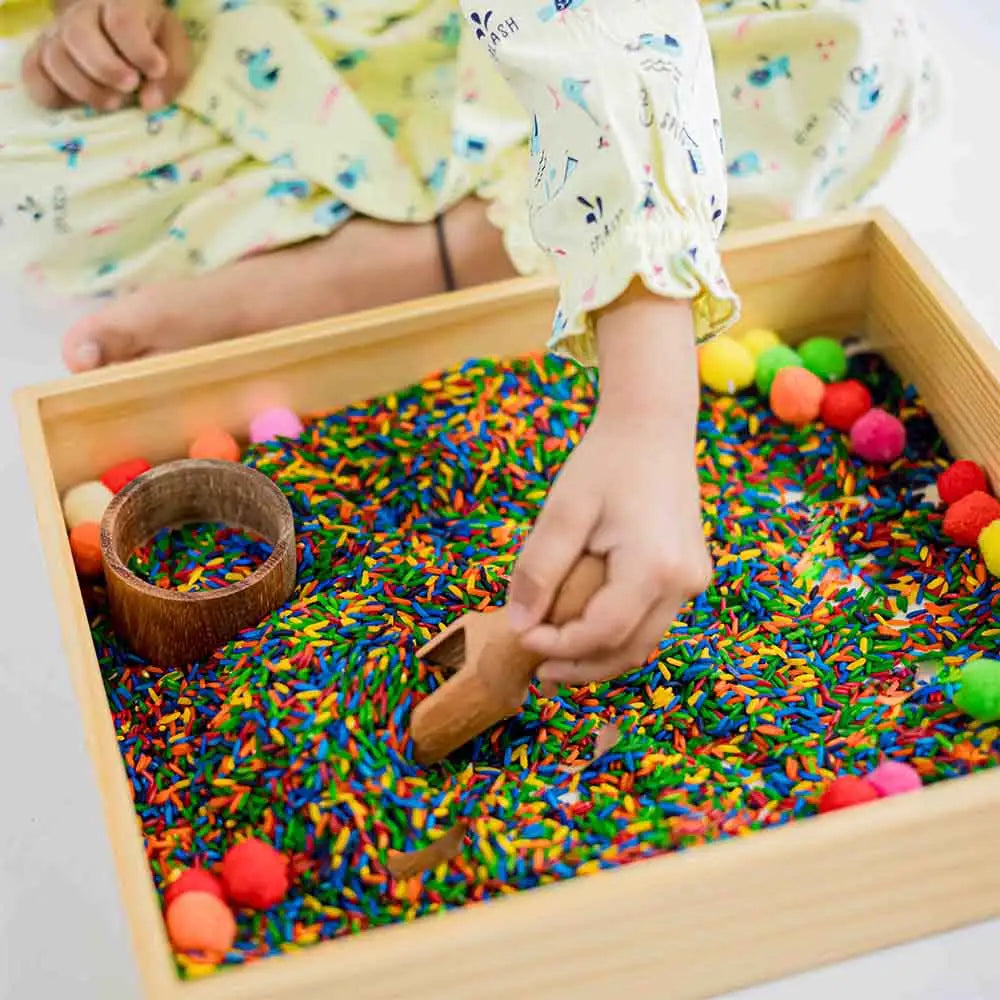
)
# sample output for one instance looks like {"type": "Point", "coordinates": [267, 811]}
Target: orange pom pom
{"type": "Point", "coordinates": [796, 396]}
{"type": "Point", "coordinates": [214, 442]}
{"type": "Point", "coordinates": [200, 924]}
{"type": "Point", "coordinates": [85, 544]}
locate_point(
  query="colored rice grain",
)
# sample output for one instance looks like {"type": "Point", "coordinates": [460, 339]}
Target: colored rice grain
{"type": "Point", "coordinates": [833, 582]}
{"type": "Point", "coordinates": [199, 557]}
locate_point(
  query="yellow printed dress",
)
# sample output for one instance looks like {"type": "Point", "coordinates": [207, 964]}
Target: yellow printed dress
{"type": "Point", "coordinates": [611, 138]}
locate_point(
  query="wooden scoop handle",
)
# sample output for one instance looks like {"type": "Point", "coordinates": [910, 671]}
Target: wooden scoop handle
{"type": "Point", "coordinates": [493, 680]}
{"type": "Point", "coordinates": [515, 662]}
{"type": "Point", "coordinates": [584, 580]}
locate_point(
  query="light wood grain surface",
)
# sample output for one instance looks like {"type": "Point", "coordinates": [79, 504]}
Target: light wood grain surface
{"type": "Point", "coordinates": [774, 903]}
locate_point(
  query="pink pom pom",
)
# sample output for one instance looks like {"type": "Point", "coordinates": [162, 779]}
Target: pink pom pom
{"type": "Point", "coordinates": [278, 422]}
{"type": "Point", "coordinates": [878, 437]}
{"type": "Point", "coordinates": [893, 777]}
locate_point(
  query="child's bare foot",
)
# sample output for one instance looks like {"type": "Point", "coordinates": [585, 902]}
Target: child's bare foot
{"type": "Point", "coordinates": [361, 266]}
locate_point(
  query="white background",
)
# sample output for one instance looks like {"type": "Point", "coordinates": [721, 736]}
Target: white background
{"type": "Point", "coordinates": [62, 930]}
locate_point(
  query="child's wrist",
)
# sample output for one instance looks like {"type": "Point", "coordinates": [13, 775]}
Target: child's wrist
{"type": "Point", "coordinates": [647, 359]}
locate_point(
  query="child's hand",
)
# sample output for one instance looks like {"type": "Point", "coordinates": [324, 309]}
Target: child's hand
{"type": "Point", "coordinates": [98, 52]}
{"type": "Point", "coordinates": [629, 493]}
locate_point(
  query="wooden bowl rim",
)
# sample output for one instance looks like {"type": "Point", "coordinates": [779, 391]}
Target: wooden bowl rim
{"type": "Point", "coordinates": [133, 493]}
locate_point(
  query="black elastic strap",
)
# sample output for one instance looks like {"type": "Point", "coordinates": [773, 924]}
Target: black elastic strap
{"type": "Point", "coordinates": [446, 267]}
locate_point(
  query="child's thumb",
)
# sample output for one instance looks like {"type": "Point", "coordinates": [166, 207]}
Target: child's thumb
{"type": "Point", "coordinates": [176, 46]}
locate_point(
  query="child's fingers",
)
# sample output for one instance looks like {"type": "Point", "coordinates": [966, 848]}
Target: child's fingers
{"type": "Point", "coordinates": [127, 26]}
{"type": "Point", "coordinates": [615, 612]}
{"type": "Point", "coordinates": [632, 655]}
{"type": "Point", "coordinates": [63, 71]}
{"type": "Point", "coordinates": [552, 549]}
{"type": "Point", "coordinates": [95, 55]}
{"type": "Point", "coordinates": [174, 43]}
{"type": "Point", "coordinates": [37, 82]}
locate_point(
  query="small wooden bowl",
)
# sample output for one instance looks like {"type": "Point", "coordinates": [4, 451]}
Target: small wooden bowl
{"type": "Point", "coordinates": [170, 628]}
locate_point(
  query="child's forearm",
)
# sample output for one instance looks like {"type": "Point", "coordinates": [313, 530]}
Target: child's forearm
{"type": "Point", "coordinates": [648, 362]}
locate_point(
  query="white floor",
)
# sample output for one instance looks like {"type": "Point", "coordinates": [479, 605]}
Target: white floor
{"type": "Point", "coordinates": [62, 931]}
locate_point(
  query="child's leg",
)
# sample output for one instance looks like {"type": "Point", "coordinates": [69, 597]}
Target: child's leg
{"type": "Point", "coordinates": [817, 103]}
{"type": "Point", "coordinates": [233, 212]}
{"type": "Point", "coordinates": [362, 265]}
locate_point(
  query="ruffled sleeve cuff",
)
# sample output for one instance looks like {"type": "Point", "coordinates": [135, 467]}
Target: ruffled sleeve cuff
{"type": "Point", "coordinates": [673, 257]}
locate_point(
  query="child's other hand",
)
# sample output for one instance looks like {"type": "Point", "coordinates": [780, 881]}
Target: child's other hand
{"type": "Point", "coordinates": [628, 493]}
{"type": "Point", "coordinates": [98, 52]}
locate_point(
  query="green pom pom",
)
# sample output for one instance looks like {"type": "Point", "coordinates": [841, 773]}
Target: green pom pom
{"type": "Point", "coordinates": [771, 362]}
{"type": "Point", "coordinates": [825, 357]}
{"type": "Point", "coordinates": [978, 691]}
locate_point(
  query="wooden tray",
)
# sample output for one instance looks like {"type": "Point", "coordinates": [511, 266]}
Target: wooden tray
{"type": "Point", "coordinates": [685, 925]}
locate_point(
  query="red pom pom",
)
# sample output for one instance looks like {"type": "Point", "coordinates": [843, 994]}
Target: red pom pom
{"type": "Point", "coordinates": [255, 875]}
{"type": "Point", "coordinates": [193, 880]}
{"type": "Point", "coordinates": [844, 403]}
{"type": "Point", "coordinates": [845, 791]}
{"type": "Point", "coordinates": [966, 518]}
{"type": "Point", "coordinates": [121, 475]}
{"type": "Point", "coordinates": [960, 480]}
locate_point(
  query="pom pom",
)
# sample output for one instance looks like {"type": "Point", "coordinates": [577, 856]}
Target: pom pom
{"type": "Point", "coordinates": [121, 475]}
{"type": "Point", "coordinates": [893, 777]}
{"type": "Point", "coordinates": [254, 874]}
{"type": "Point", "coordinates": [200, 924]}
{"type": "Point", "coordinates": [85, 545]}
{"type": "Point", "coordinates": [989, 547]}
{"type": "Point", "coordinates": [86, 502]}
{"type": "Point", "coordinates": [878, 437]}
{"type": "Point", "coordinates": [845, 791]}
{"type": "Point", "coordinates": [978, 692]}
{"type": "Point", "coordinates": [759, 340]}
{"type": "Point", "coordinates": [771, 362]}
{"type": "Point", "coordinates": [825, 357]}
{"type": "Point", "coordinates": [214, 442]}
{"type": "Point", "coordinates": [844, 404]}
{"type": "Point", "coordinates": [725, 365]}
{"type": "Point", "coordinates": [965, 519]}
{"type": "Point", "coordinates": [796, 395]}
{"type": "Point", "coordinates": [278, 422]}
{"type": "Point", "coordinates": [193, 880]}
{"type": "Point", "coordinates": [961, 479]}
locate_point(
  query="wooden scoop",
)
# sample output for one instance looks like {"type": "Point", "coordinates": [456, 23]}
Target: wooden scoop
{"type": "Point", "coordinates": [492, 670]}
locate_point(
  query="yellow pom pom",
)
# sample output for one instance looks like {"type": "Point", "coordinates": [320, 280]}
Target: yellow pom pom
{"type": "Point", "coordinates": [759, 340]}
{"type": "Point", "coordinates": [725, 365]}
{"type": "Point", "coordinates": [989, 546]}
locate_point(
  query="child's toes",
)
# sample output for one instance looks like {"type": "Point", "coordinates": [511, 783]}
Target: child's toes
{"type": "Point", "coordinates": [104, 338]}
